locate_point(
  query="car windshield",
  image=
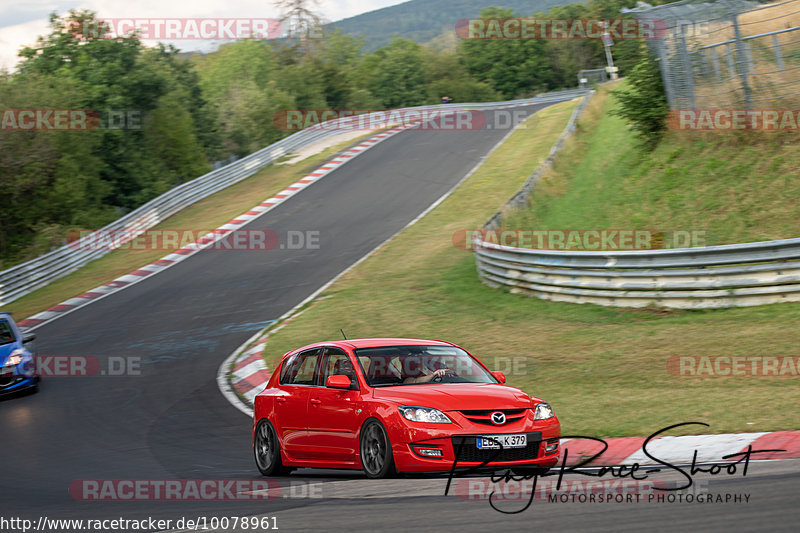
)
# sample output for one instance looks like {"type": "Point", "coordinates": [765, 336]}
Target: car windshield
{"type": "Point", "coordinates": [413, 365]}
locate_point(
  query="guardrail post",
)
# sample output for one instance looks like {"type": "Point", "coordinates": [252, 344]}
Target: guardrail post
{"type": "Point", "coordinates": [742, 60]}
{"type": "Point", "coordinates": [687, 68]}
{"type": "Point", "coordinates": [665, 73]}
{"type": "Point", "coordinates": [731, 64]}
{"type": "Point", "coordinates": [715, 61]}
{"type": "Point", "coordinates": [748, 54]}
{"type": "Point", "coordinates": [778, 55]}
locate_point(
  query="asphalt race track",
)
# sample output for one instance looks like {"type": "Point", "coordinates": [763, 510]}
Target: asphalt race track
{"type": "Point", "coordinates": [171, 422]}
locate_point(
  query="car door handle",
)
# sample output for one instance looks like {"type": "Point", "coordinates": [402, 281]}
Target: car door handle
{"type": "Point", "coordinates": [280, 399]}
{"type": "Point", "coordinates": [315, 401]}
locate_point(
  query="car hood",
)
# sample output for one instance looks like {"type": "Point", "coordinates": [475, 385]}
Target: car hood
{"type": "Point", "coordinates": [5, 351]}
{"type": "Point", "coordinates": [456, 396]}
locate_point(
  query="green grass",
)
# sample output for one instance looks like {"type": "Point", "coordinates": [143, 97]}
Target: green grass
{"type": "Point", "coordinates": [728, 187]}
{"type": "Point", "coordinates": [603, 369]}
{"type": "Point", "coordinates": [207, 214]}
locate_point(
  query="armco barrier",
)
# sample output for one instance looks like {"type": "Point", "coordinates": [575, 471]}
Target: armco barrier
{"type": "Point", "coordinates": [24, 278]}
{"type": "Point", "coordinates": [731, 275]}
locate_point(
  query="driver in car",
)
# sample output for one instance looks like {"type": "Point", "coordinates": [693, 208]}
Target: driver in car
{"type": "Point", "coordinates": [431, 368]}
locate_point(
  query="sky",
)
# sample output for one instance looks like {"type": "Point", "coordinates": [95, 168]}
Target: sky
{"type": "Point", "coordinates": [22, 21]}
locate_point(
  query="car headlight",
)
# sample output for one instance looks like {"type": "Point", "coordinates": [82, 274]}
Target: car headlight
{"type": "Point", "coordinates": [424, 414]}
{"type": "Point", "coordinates": [14, 359]}
{"type": "Point", "coordinates": [543, 411]}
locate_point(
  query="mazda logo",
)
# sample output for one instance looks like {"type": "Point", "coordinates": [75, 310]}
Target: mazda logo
{"type": "Point", "coordinates": [498, 418]}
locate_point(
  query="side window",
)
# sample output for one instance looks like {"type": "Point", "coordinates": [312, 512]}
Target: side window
{"type": "Point", "coordinates": [337, 362]}
{"type": "Point", "coordinates": [289, 368]}
{"type": "Point", "coordinates": [299, 369]}
{"type": "Point", "coordinates": [6, 333]}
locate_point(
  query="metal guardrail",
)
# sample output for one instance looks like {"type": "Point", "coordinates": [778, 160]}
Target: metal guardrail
{"type": "Point", "coordinates": [24, 278]}
{"type": "Point", "coordinates": [731, 275]}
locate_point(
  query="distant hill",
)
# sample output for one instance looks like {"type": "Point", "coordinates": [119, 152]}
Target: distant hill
{"type": "Point", "coordinates": [423, 20]}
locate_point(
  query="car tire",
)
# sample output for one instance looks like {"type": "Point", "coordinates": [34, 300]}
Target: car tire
{"type": "Point", "coordinates": [375, 450]}
{"type": "Point", "coordinates": [267, 450]}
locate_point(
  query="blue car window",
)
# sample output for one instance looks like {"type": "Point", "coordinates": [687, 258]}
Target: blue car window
{"type": "Point", "coordinates": [6, 333]}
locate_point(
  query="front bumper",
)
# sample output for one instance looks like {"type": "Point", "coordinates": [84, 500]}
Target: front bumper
{"type": "Point", "coordinates": [13, 384]}
{"type": "Point", "coordinates": [459, 448]}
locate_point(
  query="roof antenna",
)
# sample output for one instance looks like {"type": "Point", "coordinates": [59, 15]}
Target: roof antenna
{"type": "Point", "coordinates": [343, 335]}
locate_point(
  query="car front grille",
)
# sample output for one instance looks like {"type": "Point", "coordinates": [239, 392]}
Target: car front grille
{"type": "Point", "coordinates": [466, 449]}
{"type": "Point", "coordinates": [8, 381]}
{"type": "Point", "coordinates": [488, 412]}
{"type": "Point", "coordinates": [484, 416]}
{"type": "Point", "coordinates": [488, 421]}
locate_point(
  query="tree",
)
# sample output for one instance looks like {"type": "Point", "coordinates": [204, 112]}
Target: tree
{"type": "Point", "coordinates": [447, 76]}
{"type": "Point", "coordinates": [514, 68]}
{"type": "Point", "coordinates": [395, 74]}
{"type": "Point", "coordinates": [301, 23]}
{"type": "Point", "coordinates": [337, 64]}
{"type": "Point", "coordinates": [116, 75]}
{"type": "Point", "coordinates": [52, 179]}
{"type": "Point", "coordinates": [60, 180]}
{"type": "Point", "coordinates": [644, 104]}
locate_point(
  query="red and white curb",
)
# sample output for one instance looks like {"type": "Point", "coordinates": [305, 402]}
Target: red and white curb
{"type": "Point", "coordinates": [207, 240]}
{"type": "Point", "coordinates": [250, 373]}
{"type": "Point", "coordinates": [680, 450]}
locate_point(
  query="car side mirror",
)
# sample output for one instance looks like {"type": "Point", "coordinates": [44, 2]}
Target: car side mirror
{"type": "Point", "coordinates": [339, 381]}
{"type": "Point", "coordinates": [28, 337]}
{"type": "Point", "coordinates": [499, 376]}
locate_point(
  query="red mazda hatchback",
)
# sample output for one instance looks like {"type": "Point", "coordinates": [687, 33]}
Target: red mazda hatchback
{"type": "Point", "coordinates": [397, 405]}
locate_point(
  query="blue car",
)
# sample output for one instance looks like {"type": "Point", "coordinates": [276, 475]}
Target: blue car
{"type": "Point", "coordinates": [17, 358]}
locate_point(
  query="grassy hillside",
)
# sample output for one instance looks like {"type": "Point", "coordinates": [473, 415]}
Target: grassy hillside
{"type": "Point", "coordinates": [733, 187]}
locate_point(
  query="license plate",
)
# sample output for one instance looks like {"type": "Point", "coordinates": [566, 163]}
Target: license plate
{"type": "Point", "coordinates": [507, 441]}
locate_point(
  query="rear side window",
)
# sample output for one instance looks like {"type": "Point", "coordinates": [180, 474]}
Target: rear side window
{"type": "Point", "coordinates": [299, 369]}
{"type": "Point", "coordinates": [6, 333]}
